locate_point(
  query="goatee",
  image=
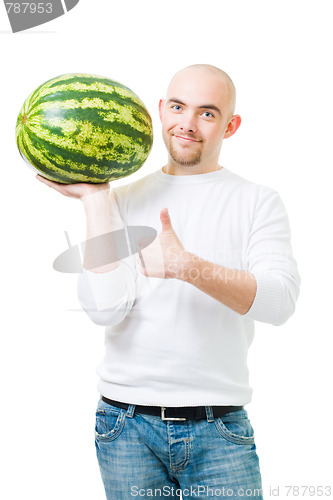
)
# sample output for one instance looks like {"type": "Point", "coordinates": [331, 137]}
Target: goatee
{"type": "Point", "coordinates": [183, 159]}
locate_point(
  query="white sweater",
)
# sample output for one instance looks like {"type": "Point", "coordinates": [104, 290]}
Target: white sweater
{"type": "Point", "coordinates": [167, 343]}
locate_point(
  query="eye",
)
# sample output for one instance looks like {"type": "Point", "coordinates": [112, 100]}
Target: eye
{"type": "Point", "coordinates": [176, 107]}
{"type": "Point", "coordinates": [208, 114]}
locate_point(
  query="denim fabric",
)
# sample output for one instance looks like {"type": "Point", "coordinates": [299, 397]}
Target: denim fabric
{"type": "Point", "coordinates": [142, 456]}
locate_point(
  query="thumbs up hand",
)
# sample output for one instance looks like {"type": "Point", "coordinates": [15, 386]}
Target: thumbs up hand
{"type": "Point", "coordinates": [165, 257]}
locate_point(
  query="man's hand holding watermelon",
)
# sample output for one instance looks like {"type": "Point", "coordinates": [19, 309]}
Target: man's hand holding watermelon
{"type": "Point", "coordinates": [79, 190]}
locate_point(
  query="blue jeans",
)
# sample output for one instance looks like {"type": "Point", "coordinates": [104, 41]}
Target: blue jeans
{"type": "Point", "coordinates": [145, 457]}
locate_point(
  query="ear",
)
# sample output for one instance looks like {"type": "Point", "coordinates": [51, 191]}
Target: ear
{"type": "Point", "coordinates": [233, 126]}
{"type": "Point", "coordinates": [161, 105]}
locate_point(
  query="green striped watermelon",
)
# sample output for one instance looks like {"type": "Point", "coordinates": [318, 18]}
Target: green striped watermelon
{"type": "Point", "coordinates": [84, 128]}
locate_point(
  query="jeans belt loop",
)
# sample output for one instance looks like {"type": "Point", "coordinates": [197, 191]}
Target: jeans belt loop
{"type": "Point", "coordinates": [209, 413]}
{"type": "Point", "coordinates": [166, 418]}
{"type": "Point", "coordinates": [130, 411]}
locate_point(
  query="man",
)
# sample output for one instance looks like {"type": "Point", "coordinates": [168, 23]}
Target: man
{"type": "Point", "coordinates": [179, 314]}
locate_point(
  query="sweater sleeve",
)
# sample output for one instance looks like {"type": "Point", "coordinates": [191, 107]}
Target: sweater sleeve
{"type": "Point", "coordinates": [270, 260]}
{"type": "Point", "coordinates": [108, 297]}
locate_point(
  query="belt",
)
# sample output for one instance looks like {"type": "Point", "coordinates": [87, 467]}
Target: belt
{"type": "Point", "coordinates": [176, 413]}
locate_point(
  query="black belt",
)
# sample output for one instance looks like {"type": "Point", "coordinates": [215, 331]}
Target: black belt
{"type": "Point", "coordinates": [176, 413]}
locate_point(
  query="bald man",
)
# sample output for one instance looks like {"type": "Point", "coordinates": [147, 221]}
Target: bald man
{"type": "Point", "coordinates": [179, 315]}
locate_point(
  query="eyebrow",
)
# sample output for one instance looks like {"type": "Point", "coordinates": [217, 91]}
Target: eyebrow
{"type": "Point", "coordinates": [203, 106]}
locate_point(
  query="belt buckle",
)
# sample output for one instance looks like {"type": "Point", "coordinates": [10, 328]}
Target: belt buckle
{"type": "Point", "coordinates": [170, 418]}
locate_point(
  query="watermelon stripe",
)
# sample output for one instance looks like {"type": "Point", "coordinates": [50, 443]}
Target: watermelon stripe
{"type": "Point", "coordinates": [90, 141]}
{"type": "Point", "coordinates": [103, 97]}
{"type": "Point", "coordinates": [78, 86]}
{"type": "Point", "coordinates": [97, 124]}
{"type": "Point", "coordinates": [84, 79]}
{"type": "Point", "coordinates": [80, 157]}
{"type": "Point", "coordinates": [125, 113]}
{"type": "Point", "coordinates": [67, 108]}
{"type": "Point", "coordinates": [84, 156]}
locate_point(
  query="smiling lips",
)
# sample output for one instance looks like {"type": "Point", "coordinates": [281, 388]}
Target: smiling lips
{"type": "Point", "coordinates": [186, 139]}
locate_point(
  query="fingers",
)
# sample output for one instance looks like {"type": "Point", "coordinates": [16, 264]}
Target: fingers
{"type": "Point", "coordinates": [54, 185]}
{"type": "Point", "coordinates": [165, 220]}
{"type": "Point", "coordinates": [42, 179]}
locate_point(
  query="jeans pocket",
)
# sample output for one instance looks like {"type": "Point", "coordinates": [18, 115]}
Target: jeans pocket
{"type": "Point", "coordinates": [110, 422]}
{"type": "Point", "coordinates": [236, 427]}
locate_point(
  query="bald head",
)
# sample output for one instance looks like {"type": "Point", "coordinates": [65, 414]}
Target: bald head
{"type": "Point", "coordinates": [197, 115]}
{"type": "Point", "coordinates": [205, 71]}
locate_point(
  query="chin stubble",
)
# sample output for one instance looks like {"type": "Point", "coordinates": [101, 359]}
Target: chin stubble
{"type": "Point", "coordinates": [183, 160]}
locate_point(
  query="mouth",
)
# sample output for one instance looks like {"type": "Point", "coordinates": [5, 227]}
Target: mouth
{"type": "Point", "coordinates": [186, 139]}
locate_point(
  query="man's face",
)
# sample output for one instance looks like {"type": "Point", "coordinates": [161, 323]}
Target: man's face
{"type": "Point", "coordinates": [194, 117]}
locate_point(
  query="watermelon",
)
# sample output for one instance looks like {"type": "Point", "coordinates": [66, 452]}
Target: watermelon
{"type": "Point", "coordinates": [84, 128]}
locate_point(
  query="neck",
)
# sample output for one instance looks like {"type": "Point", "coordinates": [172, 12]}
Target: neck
{"type": "Point", "coordinates": [172, 168]}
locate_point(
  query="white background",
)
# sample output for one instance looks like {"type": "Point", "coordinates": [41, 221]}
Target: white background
{"type": "Point", "coordinates": [279, 55]}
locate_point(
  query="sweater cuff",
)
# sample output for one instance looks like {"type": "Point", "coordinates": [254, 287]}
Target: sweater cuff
{"type": "Point", "coordinates": [266, 306]}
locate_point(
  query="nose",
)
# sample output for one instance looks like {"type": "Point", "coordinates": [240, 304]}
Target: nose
{"type": "Point", "coordinates": [188, 123]}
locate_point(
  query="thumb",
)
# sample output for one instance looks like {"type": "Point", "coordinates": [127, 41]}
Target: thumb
{"type": "Point", "coordinates": [165, 219]}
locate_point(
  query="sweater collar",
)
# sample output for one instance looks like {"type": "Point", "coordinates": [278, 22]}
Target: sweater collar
{"type": "Point", "coordinates": [192, 179]}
